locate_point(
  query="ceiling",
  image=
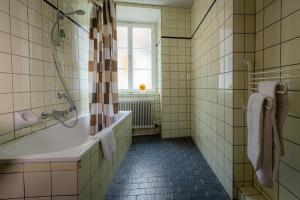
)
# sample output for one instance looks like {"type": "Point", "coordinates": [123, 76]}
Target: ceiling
{"type": "Point", "coordinates": [138, 15]}
{"type": "Point", "coordinates": [174, 3]}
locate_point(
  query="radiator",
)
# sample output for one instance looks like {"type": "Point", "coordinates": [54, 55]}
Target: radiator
{"type": "Point", "coordinates": [142, 111]}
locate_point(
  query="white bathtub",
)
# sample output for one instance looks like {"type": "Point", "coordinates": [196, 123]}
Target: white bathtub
{"type": "Point", "coordinates": [56, 143]}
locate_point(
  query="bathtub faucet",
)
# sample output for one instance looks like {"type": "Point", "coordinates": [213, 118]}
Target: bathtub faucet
{"type": "Point", "coordinates": [55, 114]}
{"type": "Point", "coordinates": [66, 96]}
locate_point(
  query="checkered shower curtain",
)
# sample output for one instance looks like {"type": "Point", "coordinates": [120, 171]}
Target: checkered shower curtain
{"type": "Point", "coordinates": [103, 75]}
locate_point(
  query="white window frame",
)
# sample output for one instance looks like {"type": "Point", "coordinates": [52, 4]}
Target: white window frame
{"type": "Point", "coordinates": [130, 25]}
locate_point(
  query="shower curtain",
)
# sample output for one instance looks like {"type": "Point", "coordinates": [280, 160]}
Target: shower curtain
{"type": "Point", "coordinates": [103, 75]}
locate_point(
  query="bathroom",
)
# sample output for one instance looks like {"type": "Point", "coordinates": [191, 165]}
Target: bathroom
{"type": "Point", "coordinates": [170, 114]}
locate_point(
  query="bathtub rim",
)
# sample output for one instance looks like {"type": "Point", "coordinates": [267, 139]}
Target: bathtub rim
{"type": "Point", "coordinates": [69, 155]}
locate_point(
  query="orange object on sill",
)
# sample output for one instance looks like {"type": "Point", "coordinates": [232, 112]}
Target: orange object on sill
{"type": "Point", "coordinates": [142, 87]}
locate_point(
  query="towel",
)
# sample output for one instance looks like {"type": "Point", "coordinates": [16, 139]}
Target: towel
{"type": "Point", "coordinates": [272, 136]}
{"type": "Point", "coordinates": [282, 107]}
{"type": "Point", "coordinates": [265, 171]}
{"type": "Point", "coordinates": [108, 142]}
{"type": "Point", "coordinates": [255, 122]}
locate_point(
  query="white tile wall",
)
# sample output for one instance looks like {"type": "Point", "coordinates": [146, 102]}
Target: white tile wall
{"type": "Point", "coordinates": [28, 79]}
{"type": "Point", "coordinates": [175, 87]}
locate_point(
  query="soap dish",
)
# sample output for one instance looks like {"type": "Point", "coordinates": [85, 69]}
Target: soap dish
{"type": "Point", "coordinates": [25, 118]}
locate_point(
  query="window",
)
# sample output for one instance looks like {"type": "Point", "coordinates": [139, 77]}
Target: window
{"type": "Point", "coordinates": [135, 56]}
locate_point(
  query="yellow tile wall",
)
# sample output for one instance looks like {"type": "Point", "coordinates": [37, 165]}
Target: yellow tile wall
{"type": "Point", "coordinates": [196, 16]}
{"type": "Point", "coordinates": [27, 73]}
{"type": "Point", "coordinates": [175, 88]}
{"type": "Point", "coordinates": [175, 72]}
{"type": "Point", "coordinates": [277, 35]}
{"type": "Point", "coordinates": [212, 84]}
{"type": "Point", "coordinates": [223, 38]}
{"type": "Point", "coordinates": [175, 22]}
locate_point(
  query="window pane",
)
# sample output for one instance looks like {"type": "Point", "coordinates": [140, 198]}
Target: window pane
{"type": "Point", "coordinates": [123, 57]}
{"type": "Point", "coordinates": [122, 32]}
{"type": "Point", "coordinates": [141, 68]}
{"type": "Point", "coordinates": [123, 79]}
{"type": "Point", "coordinates": [142, 77]}
{"type": "Point", "coordinates": [141, 38]}
{"type": "Point", "coordinates": [142, 58]}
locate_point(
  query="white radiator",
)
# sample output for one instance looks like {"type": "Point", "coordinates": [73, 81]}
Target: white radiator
{"type": "Point", "coordinates": [142, 111]}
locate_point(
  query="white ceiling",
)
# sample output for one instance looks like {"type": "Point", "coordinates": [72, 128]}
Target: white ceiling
{"type": "Point", "coordinates": [175, 3]}
{"type": "Point", "coordinates": [138, 15]}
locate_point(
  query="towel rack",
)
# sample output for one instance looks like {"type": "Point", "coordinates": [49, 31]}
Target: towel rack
{"type": "Point", "coordinates": [255, 77]}
{"type": "Point", "coordinates": [281, 89]}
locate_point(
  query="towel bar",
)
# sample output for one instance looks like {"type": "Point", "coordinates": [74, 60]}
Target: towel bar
{"type": "Point", "coordinates": [268, 104]}
{"type": "Point", "coordinates": [254, 78]}
{"type": "Point", "coordinates": [273, 71]}
{"type": "Point", "coordinates": [281, 89]}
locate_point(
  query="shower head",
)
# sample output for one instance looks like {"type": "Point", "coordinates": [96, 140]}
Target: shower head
{"type": "Point", "coordinates": [77, 12]}
{"type": "Point", "coordinates": [61, 16]}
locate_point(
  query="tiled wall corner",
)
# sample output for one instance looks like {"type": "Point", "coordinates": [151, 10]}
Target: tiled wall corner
{"type": "Point", "coordinates": [243, 20]}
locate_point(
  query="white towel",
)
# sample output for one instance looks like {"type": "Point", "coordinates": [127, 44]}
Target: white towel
{"type": "Point", "coordinates": [268, 173]}
{"type": "Point", "coordinates": [108, 142]}
{"type": "Point", "coordinates": [255, 116]}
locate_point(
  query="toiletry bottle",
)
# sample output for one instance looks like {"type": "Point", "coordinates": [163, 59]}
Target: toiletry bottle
{"type": "Point", "coordinates": [62, 33]}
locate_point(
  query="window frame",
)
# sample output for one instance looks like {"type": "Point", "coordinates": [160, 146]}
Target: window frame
{"type": "Point", "coordinates": [130, 27]}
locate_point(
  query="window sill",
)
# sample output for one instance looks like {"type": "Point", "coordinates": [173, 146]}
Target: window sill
{"type": "Point", "coordinates": [138, 92]}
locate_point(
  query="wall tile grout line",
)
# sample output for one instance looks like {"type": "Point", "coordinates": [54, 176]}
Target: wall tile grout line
{"type": "Point", "coordinates": [294, 195]}
{"type": "Point", "coordinates": [204, 17]}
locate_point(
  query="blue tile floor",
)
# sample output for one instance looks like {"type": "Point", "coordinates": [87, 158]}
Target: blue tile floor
{"type": "Point", "coordinates": [165, 169]}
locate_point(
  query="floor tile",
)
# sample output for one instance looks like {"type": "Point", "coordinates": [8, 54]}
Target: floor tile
{"type": "Point", "coordinates": [165, 169]}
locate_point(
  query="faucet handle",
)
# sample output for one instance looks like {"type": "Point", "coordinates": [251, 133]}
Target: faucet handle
{"type": "Point", "coordinates": [44, 115]}
{"type": "Point", "coordinates": [72, 108]}
{"type": "Point", "coordinates": [60, 95]}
